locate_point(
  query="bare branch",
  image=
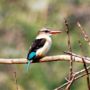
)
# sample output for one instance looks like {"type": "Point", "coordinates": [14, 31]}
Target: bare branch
{"type": "Point", "coordinates": [16, 80]}
{"type": "Point", "coordinates": [70, 83]}
{"type": "Point", "coordinates": [65, 84]}
{"type": "Point", "coordinates": [88, 82]}
{"type": "Point", "coordinates": [86, 38]}
{"type": "Point", "coordinates": [82, 71]}
{"type": "Point", "coordinates": [85, 66]}
{"type": "Point", "coordinates": [70, 49]}
{"type": "Point", "coordinates": [76, 58]}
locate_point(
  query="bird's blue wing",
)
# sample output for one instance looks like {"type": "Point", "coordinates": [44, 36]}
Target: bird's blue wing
{"type": "Point", "coordinates": [30, 58]}
{"type": "Point", "coordinates": [31, 55]}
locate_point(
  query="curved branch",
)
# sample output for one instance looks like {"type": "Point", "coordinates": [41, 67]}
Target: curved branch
{"type": "Point", "coordinates": [46, 59]}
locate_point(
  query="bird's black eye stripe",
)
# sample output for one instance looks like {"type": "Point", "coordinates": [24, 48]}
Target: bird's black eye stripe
{"type": "Point", "coordinates": [46, 31]}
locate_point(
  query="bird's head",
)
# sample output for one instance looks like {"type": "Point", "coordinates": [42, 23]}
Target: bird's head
{"type": "Point", "coordinates": [49, 32]}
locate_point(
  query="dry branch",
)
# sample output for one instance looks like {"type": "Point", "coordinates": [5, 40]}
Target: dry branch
{"type": "Point", "coordinates": [75, 57]}
{"type": "Point", "coordinates": [84, 34]}
{"type": "Point", "coordinates": [15, 75]}
{"type": "Point", "coordinates": [70, 49]}
{"type": "Point", "coordinates": [76, 78]}
{"type": "Point", "coordinates": [85, 66]}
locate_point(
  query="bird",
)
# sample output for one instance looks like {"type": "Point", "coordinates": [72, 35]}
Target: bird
{"type": "Point", "coordinates": [41, 45]}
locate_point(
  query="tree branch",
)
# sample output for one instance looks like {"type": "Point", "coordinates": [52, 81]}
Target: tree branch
{"type": "Point", "coordinates": [70, 49]}
{"type": "Point", "coordinates": [75, 57]}
{"type": "Point", "coordinates": [85, 66]}
{"type": "Point", "coordinates": [84, 34]}
{"type": "Point", "coordinates": [76, 78]}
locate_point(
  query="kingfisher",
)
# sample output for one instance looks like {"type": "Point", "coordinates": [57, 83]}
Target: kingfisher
{"type": "Point", "coordinates": [41, 45]}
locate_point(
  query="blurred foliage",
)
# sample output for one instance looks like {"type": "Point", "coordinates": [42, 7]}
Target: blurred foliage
{"type": "Point", "coordinates": [20, 21]}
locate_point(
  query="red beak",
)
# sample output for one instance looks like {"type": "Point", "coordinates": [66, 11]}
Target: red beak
{"type": "Point", "coordinates": [55, 32]}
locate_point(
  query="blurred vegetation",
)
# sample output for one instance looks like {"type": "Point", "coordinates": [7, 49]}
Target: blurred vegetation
{"type": "Point", "coordinates": [20, 21]}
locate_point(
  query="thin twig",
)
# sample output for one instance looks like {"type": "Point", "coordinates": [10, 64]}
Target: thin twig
{"type": "Point", "coordinates": [16, 80]}
{"type": "Point", "coordinates": [70, 83]}
{"type": "Point", "coordinates": [88, 82]}
{"type": "Point", "coordinates": [60, 87]}
{"type": "Point", "coordinates": [81, 71]}
{"type": "Point", "coordinates": [76, 78]}
{"type": "Point", "coordinates": [79, 76]}
{"type": "Point", "coordinates": [86, 38]}
{"type": "Point", "coordinates": [73, 54]}
{"type": "Point", "coordinates": [70, 49]}
{"type": "Point", "coordinates": [85, 66]}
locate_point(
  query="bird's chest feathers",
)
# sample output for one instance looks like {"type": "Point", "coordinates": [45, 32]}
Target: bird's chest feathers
{"type": "Point", "coordinates": [43, 50]}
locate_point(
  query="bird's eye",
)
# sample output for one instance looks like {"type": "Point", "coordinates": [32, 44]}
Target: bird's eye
{"type": "Point", "coordinates": [46, 31]}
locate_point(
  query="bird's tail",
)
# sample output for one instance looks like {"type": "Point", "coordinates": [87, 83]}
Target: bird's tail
{"type": "Point", "coordinates": [27, 65]}
{"type": "Point", "coordinates": [30, 58]}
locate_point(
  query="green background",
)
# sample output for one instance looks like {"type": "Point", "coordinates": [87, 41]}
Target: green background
{"type": "Point", "coordinates": [20, 20]}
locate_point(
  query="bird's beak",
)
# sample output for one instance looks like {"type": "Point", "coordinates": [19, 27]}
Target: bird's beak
{"type": "Point", "coordinates": [55, 32]}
